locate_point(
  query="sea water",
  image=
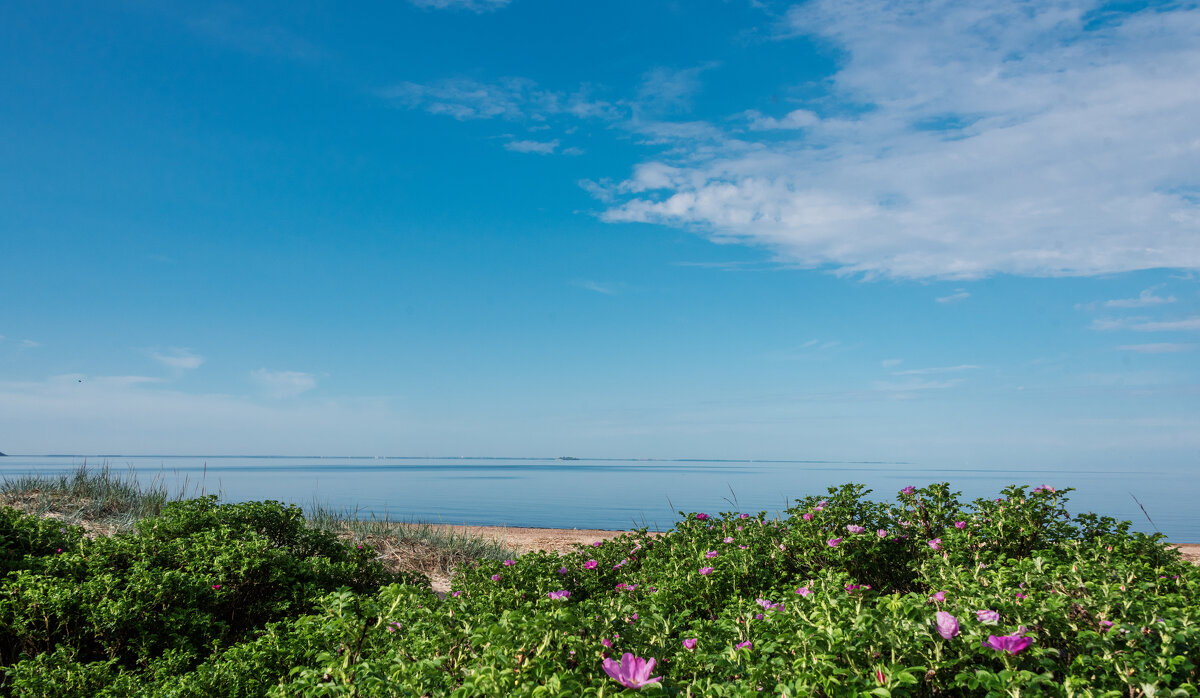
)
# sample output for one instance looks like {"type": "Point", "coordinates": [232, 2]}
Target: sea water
{"type": "Point", "coordinates": [613, 494]}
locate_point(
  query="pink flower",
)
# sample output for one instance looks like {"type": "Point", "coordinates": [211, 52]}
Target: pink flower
{"type": "Point", "coordinates": [710, 554]}
{"type": "Point", "coordinates": [947, 625]}
{"type": "Point", "coordinates": [938, 597]}
{"type": "Point", "coordinates": [908, 490]}
{"type": "Point", "coordinates": [606, 642]}
{"type": "Point", "coordinates": [631, 671]}
{"type": "Point", "coordinates": [1043, 488]}
{"type": "Point", "coordinates": [743, 547]}
{"type": "Point", "coordinates": [495, 577]}
{"type": "Point", "coordinates": [509, 563]}
{"type": "Point", "coordinates": [702, 516]}
{"type": "Point", "coordinates": [744, 516]}
{"type": "Point", "coordinates": [855, 529]}
{"type": "Point", "coordinates": [1105, 626]}
{"type": "Point", "coordinates": [803, 591]}
{"type": "Point", "coordinates": [560, 595]}
{"type": "Point", "coordinates": [626, 587]}
{"type": "Point", "coordinates": [620, 564]}
{"type": "Point", "coordinates": [597, 544]}
{"type": "Point", "coordinates": [960, 525]}
{"type": "Point", "coordinates": [747, 645]}
{"type": "Point", "coordinates": [806, 516]}
{"type": "Point", "coordinates": [393, 626]}
{"type": "Point", "coordinates": [1021, 596]}
{"type": "Point", "coordinates": [758, 616]}
{"type": "Point", "coordinates": [727, 540]}
{"type": "Point", "coordinates": [833, 542]}
{"type": "Point", "coordinates": [563, 570]}
{"type": "Point", "coordinates": [987, 616]}
{"type": "Point", "coordinates": [1007, 643]}
{"type": "Point", "coordinates": [882, 533]}
{"type": "Point", "coordinates": [456, 594]}
{"type": "Point", "coordinates": [819, 507]}
{"type": "Point", "coordinates": [705, 571]}
{"type": "Point", "coordinates": [690, 643]}
{"type": "Point", "coordinates": [936, 543]}
{"type": "Point", "coordinates": [216, 586]}
{"type": "Point", "coordinates": [590, 565]}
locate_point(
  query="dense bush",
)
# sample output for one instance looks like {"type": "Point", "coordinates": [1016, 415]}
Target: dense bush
{"type": "Point", "coordinates": [157, 602]}
{"type": "Point", "coordinates": [924, 596]}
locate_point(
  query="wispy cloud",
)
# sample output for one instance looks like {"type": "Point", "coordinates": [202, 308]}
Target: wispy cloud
{"type": "Point", "coordinates": [1047, 143]}
{"type": "Point", "coordinates": [1144, 325]}
{"type": "Point", "coordinates": [958, 295]}
{"type": "Point", "coordinates": [606, 289]}
{"type": "Point", "coordinates": [888, 363]}
{"type": "Point", "coordinates": [178, 358]}
{"type": "Point", "coordinates": [539, 147]}
{"type": "Point", "coordinates": [937, 369]}
{"type": "Point", "coordinates": [283, 384]}
{"type": "Point", "coordinates": [1143, 299]}
{"type": "Point", "coordinates": [472, 5]}
{"type": "Point", "coordinates": [231, 28]}
{"type": "Point", "coordinates": [1159, 348]}
{"type": "Point", "coordinates": [510, 98]}
{"type": "Point", "coordinates": [29, 344]}
{"type": "Point", "coordinates": [668, 90]}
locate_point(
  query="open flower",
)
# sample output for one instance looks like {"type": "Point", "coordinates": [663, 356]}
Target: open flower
{"type": "Point", "coordinates": [393, 626]}
{"type": "Point", "coordinates": [1007, 643]}
{"type": "Point", "coordinates": [590, 565]}
{"type": "Point", "coordinates": [908, 490]}
{"type": "Point", "coordinates": [705, 571]}
{"type": "Point", "coordinates": [702, 516]}
{"type": "Point", "coordinates": [806, 516]}
{"type": "Point", "coordinates": [560, 595]}
{"type": "Point", "coordinates": [563, 570]}
{"type": "Point", "coordinates": [747, 645]}
{"type": "Point", "coordinates": [690, 643]}
{"type": "Point", "coordinates": [803, 591]}
{"type": "Point", "coordinates": [710, 554]}
{"type": "Point", "coordinates": [727, 539]}
{"type": "Point", "coordinates": [855, 529]}
{"type": "Point", "coordinates": [509, 563]}
{"type": "Point", "coordinates": [882, 533]}
{"type": "Point", "coordinates": [833, 542]}
{"type": "Point", "coordinates": [936, 543]}
{"type": "Point", "coordinates": [495, 577]}
{"type": "Point", "coordinates": [987, 616]}
{"type": "Point", "coordinates": [631, 671]}
{"type": "Point", "coordinates": [947, 625]}
{"type": "Point", "coordinates": [938, 597]}
{"type": "Point", "coordinates": [960, 524]}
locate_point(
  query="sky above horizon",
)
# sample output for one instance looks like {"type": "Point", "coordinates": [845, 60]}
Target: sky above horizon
{"type": "Point", "coordinates": [960, 234]}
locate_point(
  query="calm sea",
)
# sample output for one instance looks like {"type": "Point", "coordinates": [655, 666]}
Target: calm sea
{"type": "Point", "coordinates": [612, 494]}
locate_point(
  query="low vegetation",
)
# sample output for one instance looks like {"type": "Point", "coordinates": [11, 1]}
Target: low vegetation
{"type": "Point", "coordinates": [923, 595]}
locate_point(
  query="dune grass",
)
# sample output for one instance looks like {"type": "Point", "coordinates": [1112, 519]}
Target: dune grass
{"type": "Point", "coordinates": [105, 501]}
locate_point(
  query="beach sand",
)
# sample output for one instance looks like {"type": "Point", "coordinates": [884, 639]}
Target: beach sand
{"type": "Point", "coordinates": [561, 540]}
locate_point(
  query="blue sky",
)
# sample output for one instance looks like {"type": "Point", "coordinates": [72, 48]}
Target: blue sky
{"type": "Point", "coordinates": [946, 233]}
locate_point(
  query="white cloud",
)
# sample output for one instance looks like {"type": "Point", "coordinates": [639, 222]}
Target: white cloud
{"type": "Point", "coordinates": [178, 358]}
{"type": "Point", "coordinates": [888, 363]}
{"type": "Point", "coordinates": [472, 5]}
{"type": "Point", "coordinates": [1143, 299]}
{"type": "Point", "coordinates": [1144, 325]}
{"type": "Point", "coordinates": [539, 147]}
{"type": "Point", "coordinates": [958, 295]}
{"type": "Point", "coordinates": [1159, 348]}
{"type": "Point", "coordinates": [283, 384]}
{"type": "Point", "coordinates": [938, 369]}
{"type": "Point", "coordinates": [797, 119]}
{"type": "Point", "coordinates": [962, 140]}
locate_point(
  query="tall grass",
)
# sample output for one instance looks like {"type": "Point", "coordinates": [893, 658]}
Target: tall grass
{"type": "Point", "coordinates": [99, 499]}
{"type": "Point", "coordinates": [432, 549]}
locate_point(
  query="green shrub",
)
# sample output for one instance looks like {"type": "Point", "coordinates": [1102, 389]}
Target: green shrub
{"type": "Point", "coordinates": [195, 579]}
